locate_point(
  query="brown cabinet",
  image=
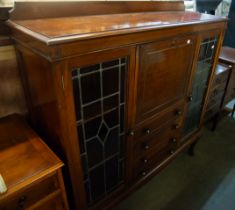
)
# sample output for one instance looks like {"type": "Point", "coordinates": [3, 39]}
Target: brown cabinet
{"type": "Point", "coordinates": [116, 95]}
{"type": "Point", "coordinates": [218, 91]}
{"type": "Point", "coordinates": [31, 172]}
{"type": "Point", "coordinates": [227, 57]}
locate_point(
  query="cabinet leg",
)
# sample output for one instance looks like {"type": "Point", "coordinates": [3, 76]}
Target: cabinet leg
{"type": "Point", "coordinates": [215, 122]}
{"type": "Point", "coordinates": [191, 150]}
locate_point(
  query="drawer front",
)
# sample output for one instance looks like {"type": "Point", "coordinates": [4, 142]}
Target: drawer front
{"type": "Point", "coordinates": [53, 204]}
{"type": "Point", "coordinates": [217, 90]}
{"type": "Point", "coordinates": [146, 165]}
{"type": "Point", "coordinates": [31, 195]}
{"type": "Point", "coordinates": [166, 135]}
{"type": "Point", "coordinates": [153, 149]}
{"type": "Point", "coordinates": [153, 125]}
{"type": "Point", "coordinates": [221, 78]}
{"type": "Point", "coordinates": [215, 100]}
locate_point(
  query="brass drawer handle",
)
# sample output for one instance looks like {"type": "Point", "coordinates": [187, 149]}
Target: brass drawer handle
{"type": "Point", "coordinates": [177, 126]}
{"type": "Point", "coordinates": [131, 133]}
{"type": "Point", "coordinates": [178, 112]}
{"type": "Point", "coordinates": [144, 173]}
{"type": "Point", "coordinates": [145, 160]}
{"type": "Point", "coordinates": [190, 98]}
{"type": "Point", "coordinates": [146, 146]}
{"type": "Point", "coordinates": [147, 131]}
{"type": "Point", "coordinates": [174, 140]}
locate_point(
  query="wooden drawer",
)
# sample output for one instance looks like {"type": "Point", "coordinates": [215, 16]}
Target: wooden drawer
{"type": "Point", "coordinates": [153, 125]}
{"type": "Point", "coordinates": [221, 78]}
{"type": "Point", "coordinates": [217, 90]}
{"type": "Point", "coordinates": [146, 165]}
{"type": "Point", "coordinates": [152, 150]}
{"type": "Point", "coordinates": [166, 135]}
{"type": "Point", "coordinates": [215, 100]}
{"type": "Point", "coordinates": [52, 204]}
{"type": "Point", "coordinates": [31, 195]}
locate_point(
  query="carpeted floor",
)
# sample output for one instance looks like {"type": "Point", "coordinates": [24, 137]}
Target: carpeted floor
{"type": "Point", "coordinates": [203, 182]}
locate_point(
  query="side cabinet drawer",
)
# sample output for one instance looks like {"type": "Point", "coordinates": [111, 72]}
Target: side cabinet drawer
{"type": "Point", "coordinates": [53, 204]}
{"type": "Point", "coordinates": [30, 195]}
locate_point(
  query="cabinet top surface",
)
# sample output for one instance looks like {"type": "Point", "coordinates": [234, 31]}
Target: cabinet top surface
{"type": "Point", "coordinates": [24, 158]}
{"type": "Point", "coordinates": [66, 29]}
{"type": "Point", "coordinates": [228, 54]}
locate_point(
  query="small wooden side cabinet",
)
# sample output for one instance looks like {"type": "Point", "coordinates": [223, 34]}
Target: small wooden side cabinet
{"type": "Point", "coordinates": [227, 56]}
{"type": "Point", "coordinates": [218, 93]}
{"type": "Point", "coordinates": [30, 170]}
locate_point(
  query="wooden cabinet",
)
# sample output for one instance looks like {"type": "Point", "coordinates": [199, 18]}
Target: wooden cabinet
{"type": "Point", "coordinates": [218, 92]}
{"type": "Point", "coordinates": [116, 95]}
{"type": "Point", "coordinates": [227, 57]}
{"type": "Point", "coordinates": [32, 173]}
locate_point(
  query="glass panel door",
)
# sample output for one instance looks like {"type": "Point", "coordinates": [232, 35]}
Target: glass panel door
{"type": "Point", "coordinates": [100, 104]}
{"type": "Point", "coordinates": [200, 82]}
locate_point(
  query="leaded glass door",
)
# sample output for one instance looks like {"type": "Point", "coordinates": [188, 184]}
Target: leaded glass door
{"type": "Point", "coordinates": [200, 82]}
{"type": "Point", "coordinates": [100, 104]}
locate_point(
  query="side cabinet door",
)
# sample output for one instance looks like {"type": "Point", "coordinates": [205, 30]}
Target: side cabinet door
{"type": "Point", "coordinates": [200, 82]}
{"type": "Point", "coordinates": [164, 73]}
{"type": "Point", "coordinates": [99, 103]}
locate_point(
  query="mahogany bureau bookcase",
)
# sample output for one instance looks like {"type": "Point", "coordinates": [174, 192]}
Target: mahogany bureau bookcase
{"type": "Point", "coordinates": [117, 89]}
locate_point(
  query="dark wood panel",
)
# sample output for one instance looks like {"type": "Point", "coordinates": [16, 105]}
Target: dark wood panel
{"type": "Point", "coordinates": [163, 77]}
{"type": "Point", "coordinates": [54, 9]}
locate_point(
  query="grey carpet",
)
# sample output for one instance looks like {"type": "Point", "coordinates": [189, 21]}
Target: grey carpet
{"type": "Point", "coordinates": [203, 182]}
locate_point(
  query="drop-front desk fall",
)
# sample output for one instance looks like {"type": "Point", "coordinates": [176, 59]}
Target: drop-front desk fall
{"type": "Point", "coordinates": [117, 89]}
